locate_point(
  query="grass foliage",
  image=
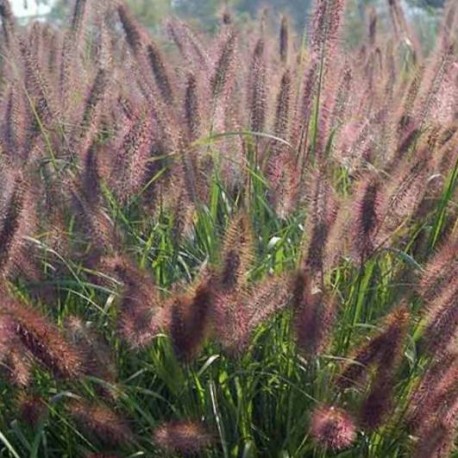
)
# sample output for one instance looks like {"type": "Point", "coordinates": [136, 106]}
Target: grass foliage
{"type": "Point", "coordinates": [242, 244]}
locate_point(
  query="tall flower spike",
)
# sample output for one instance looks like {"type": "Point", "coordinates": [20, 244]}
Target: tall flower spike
{"type": "Point", "coordinates": [161, 73]}
{"type": "Point", "coordinates": [80, 13]}
{"type": "Point", "coordinates": [224, 65]}
{"type": "Point", "coordinates": [440, 270]}
{"type": "Point", "coordinates": [326, 23]}
{"type": "Point", "coordinates": [140, 315]}
{"type": "Point", "coordinates": [16, 122]}
{"type": "Point", "coordinates": [39, 89]}
{"type": "Point", "coordinates": [382, 350]}
{"type": "Point", "coordinates": [257, 88]}
{"type": "Point", "coordinates": [189, 321]}
{"type": "Point", "coordinates": [438, 442]}
{"type": "Point", "coordinates": [18, 220]}
{"type": "Point", "coordinates": [93, 102]}
{"type": "Point", "coordinates": [193, 115]}
{"type": "Point", "coordinates": [442, 320]}
{"type": "Point", "coordinates": [93, 221]}
{"type": "Point", "coordinates": [135, 36]}
{"type": "Point", "coordinates": [44, 341]}
{"type": "Point", "coordinates": [131, 160]}
{"type": "Point", "coordinates": [282, 172]}
{"type": "Point", "coordinates": [366, 217]}
{"type": "Point", "coordinates": [434, 382]}
{"type": "Point", "coordinates": [284, 181]}
{"type": "Point", "coordinates": [8, 22]}
{"type": "Point", "coordinates": [319, 221]}
{"type": "Point", "coordinates": [10, 220]}
{"type": "Point", "coordinates": [259, 303]}
{"type": "Point", "coordinates": [379, 402]}
{"type": "Point", "coordinates": [237, 253]}
{"type": "Point", "coordinates": [97, 356]}
{"type": "Point", "coordinates": [188, 44]}
{"type": "Point", "coordinates": [282, 113]}
{"type": "Point", "coordinates": [284, 39]}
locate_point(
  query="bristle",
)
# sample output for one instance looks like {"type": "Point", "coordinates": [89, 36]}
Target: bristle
{"type": "Point", "coordinates": [332, 428]}
{"type": "Point", "coordinates": [282, 173]}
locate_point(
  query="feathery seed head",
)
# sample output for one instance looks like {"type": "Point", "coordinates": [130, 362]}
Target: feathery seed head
{"type": "Point", "coordinates": [101, 421]}
{"type": "Point", "coordinates": [184, 436]}
{"type": "Point", "coordinates": [332, 428]}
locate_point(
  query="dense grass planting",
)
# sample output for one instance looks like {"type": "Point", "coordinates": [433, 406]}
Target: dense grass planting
{"type": "Point", "coordinates": [242, 244]}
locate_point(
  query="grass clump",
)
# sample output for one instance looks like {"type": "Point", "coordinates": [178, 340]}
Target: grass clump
{"type": "Point", "coordinates": [253, 257]}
